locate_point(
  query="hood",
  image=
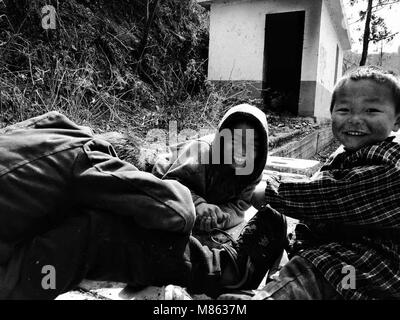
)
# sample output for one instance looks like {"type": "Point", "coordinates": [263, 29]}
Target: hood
{"type": "Point", "coordinates": [246, 111]}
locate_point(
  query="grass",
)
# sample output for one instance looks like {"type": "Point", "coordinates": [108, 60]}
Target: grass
{"type": "Point", "coordinates": [94, 68]}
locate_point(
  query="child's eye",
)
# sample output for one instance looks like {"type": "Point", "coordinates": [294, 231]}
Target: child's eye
{"type": "Point", "coordinates": [373, 110]}
{"type": "Point", "coordinates": [342, 109]}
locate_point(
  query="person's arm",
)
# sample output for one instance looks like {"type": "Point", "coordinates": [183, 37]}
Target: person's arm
{"type": "Point", "coordinates": [183, 173]}
{"type": "Point", "coordinates": [183, 163]}
{"type": "Point", "coordinates": [106, 182]}
{"type": "Point", "coordinates": [237, 207]}
{"type": "Point", "coordinates": [197, 199]}
{"type": "Point", "coordinates": [365, 195]}
{"type": "Point", "coordinates": [51, 119]}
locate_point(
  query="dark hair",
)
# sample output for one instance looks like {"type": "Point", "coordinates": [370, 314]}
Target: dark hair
{"type": "Point", "coordinates": [375, 74]}
{"type": "Point", "coordinates": [236, 120]}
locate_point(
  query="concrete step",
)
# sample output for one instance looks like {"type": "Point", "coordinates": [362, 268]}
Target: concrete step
{"type": "Point", "coordinates": [292, 165]}
{"type": "Point", "coordinates": [305, 147]}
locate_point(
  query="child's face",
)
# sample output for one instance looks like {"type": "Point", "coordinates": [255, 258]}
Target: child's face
{"type": "Point", "coordinates": [364, 113]}
{"type": "Point", "coordinates": [244, 145]}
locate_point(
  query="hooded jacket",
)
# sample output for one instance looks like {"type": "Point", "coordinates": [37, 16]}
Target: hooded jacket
{"type": "Point", "coordinates": [191, 163]}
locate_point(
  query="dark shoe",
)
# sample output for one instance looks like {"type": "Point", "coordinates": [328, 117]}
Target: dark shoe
{"type": "Point", "coordinates": [259, 245]}
{"type": "Point", "coordinates": [205, 270]}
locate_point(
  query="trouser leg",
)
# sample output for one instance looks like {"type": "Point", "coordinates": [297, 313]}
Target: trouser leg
{"type": "Point", "coordinates": [99, 246]}
{"type": "Point", "coordinates": [51, 263]}
{"type": "Point", "coordinates": [138, 256]}
{"type": "Point", "coordinates": [297, 280]}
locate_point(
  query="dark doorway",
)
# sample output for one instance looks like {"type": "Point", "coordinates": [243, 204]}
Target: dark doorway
{"type": "Point", "coordinates": [336, 65]}
{"type": "Point", "coordinates": [284, 33]}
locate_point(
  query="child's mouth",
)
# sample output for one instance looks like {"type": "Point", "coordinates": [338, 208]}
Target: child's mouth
{"type": "Point", "coordinates": [355, 133]}
{"type": "Point", "coordinates": [240, 161]}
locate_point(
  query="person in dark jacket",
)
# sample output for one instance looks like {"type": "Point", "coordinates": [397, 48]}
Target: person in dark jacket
{"type": "Point", "coordinates": [221, 170]}
{"type": "Point", "coordinates": [70, 208]}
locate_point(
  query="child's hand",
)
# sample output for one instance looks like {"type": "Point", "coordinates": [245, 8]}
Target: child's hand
{"type": "Point", "coordinates": [258, 198]}
{"type": "Point", "coordinates": [209, 216]}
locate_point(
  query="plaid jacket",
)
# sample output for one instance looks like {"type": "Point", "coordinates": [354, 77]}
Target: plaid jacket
{"type": "Point", "coordinates": [353, 204]}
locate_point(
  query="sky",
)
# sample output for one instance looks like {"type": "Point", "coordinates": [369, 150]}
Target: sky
{"type": "Point", "coordinates": [392, 19]}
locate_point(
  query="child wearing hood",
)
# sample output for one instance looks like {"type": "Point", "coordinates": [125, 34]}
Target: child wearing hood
{"type": "Point", "coordinates": [221, 170]}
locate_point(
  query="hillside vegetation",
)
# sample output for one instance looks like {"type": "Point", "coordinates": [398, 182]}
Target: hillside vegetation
{"type": "Point", "coordinates": [113, 64]}
{"type": "Point", "coordinates": [116, 65]}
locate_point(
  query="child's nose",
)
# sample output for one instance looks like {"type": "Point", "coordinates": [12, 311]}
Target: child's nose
{"type": "Point", "coordinates": [355, 118]}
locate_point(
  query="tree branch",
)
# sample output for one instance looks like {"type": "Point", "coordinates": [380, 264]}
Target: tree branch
{"type": "Point", "coordinates": [367, 32]}
{"type": "Point", "coordinates": [380, 6]}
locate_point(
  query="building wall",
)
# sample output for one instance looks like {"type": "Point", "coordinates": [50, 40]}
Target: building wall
{"type": "Point", "coordinates": [237, 32]}
{"type": "Point", "coordinates": [327, 64]}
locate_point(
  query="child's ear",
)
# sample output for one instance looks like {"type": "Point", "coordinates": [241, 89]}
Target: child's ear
{"type": "Point", "coordinates": [396, 125]}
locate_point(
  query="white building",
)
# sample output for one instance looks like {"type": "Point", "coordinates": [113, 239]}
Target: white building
{"type": "Point", "coordinates": [291, 46]}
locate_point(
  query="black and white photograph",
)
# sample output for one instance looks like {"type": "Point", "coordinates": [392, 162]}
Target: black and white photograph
{"type": "Point", "coordinates": [208, 152]}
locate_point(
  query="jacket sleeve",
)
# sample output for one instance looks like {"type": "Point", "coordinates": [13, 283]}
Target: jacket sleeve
{"type": "Point", "coordinates": [49, 120]}
{"type": "Point", "coordinates": [106, 182]}
{"type": "Point", "coordinates": [364, 196]}
{"type": "Point", "coordinates": [238, 206]}
{"type": "Point", "coordinates": [184, 164]}
{"type": "Point", "coordinates": [197, 199]}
